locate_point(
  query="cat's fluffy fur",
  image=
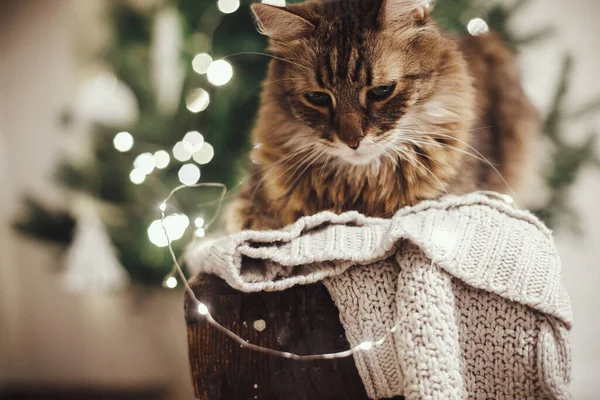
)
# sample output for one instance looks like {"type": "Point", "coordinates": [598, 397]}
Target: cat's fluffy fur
{"type": "Point", "coordinates": [457, 118]}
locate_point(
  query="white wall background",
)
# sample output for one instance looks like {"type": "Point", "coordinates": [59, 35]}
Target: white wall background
{"type": "Point", "coordinates": [49, 337]}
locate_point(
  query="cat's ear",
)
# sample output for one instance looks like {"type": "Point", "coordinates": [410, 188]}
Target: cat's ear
{"type": "Point", "coordinates": [280, 23]}
{"type": "Point", "coordinates": [400, 12]}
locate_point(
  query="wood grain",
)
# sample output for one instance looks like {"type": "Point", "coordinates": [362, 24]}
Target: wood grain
{"type": "Point", "coordinates": [302, 320]}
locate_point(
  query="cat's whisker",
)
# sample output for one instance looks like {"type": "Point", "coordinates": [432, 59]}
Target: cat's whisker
{"type": "Point", "coordinates": [256, 53]}
{"type": "Point", "coordinates": [483, 158]}
{"type": "Point", "coordinates": [410, 157]}
{"type": "Point", "coordinates": [310, 162]}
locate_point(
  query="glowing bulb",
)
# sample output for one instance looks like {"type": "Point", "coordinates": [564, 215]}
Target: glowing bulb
{"type": "Point", "coordinates": [199, 222]}
{"type": "Point", "coordinates": [189, 174]}
{"type": "Point", "coordinates": [205, 154]}
{"type": "Point", "coordinates": [145, 162]}
{"type": "Point", "coordinates": [180, 152]}
{"type": "Point", "coordinates": [366, 346]}
{"type": "Point", "coordinates": [477, 27]}
{"type": "Point", "coordinates": [219, 72]}
{"type": "Point", "coordinates": [201, 62]}
{"type": "Point", "coordinates": [123, 141]}
{"type": "Point", "coordinates": [175, 226]}
{"type": "Point", "coordinates": [193, 141]}
{"type": "Point", "coordinates": [197, 100]}
{"type": "Point", "coordinates": [200, 232]}
{"type": "Point", "coordinates": [171, 282]}
{"type": "Point", "coordinates": [228, 6]}
{"type": "Point", "coordinates": [137, 176]}
{"type": "Point", "coordinates": [507, 199]}
{"type": "Point", "coordinates": [163, 206]}
{"type": "Point", "coordinates": [202, 309]}
{"type": "Point", "coordinates": [162, 159]}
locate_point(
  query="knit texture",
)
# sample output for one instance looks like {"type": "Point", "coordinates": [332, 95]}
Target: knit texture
{"type": "Point", "coordinates": [470, 286]}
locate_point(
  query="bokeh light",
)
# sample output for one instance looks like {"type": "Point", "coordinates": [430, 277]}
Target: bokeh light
{"type": "Point", "coordinates": [123, 141]}
{"type": "Point", "coordinates": [219, 72]}
{"type": "Point", "coordinates": [201, 62]}
{"type": "Point", "coordinates": [193, 141]}
{"type": "Point", "coordinates": [189, 174]}
{"type": "Point", "coordinates": [477, 27]}
{"type": "Point", "coordinates": [228, 6]}
{"type": "Point", "coordinates": [197, 101]}
{"type": "Point", "coordinates": [180, 152]}
{"type": "Point", "coordinates": [145, 162]}
{"type": "Point", "coordinates": [205, 154]}
{"type": "Point", "coordinates": [175, 226]}
{"type": "Point", "coordinates": [137, 176]}
{"type": "Point", "coordinates": [162, 159]}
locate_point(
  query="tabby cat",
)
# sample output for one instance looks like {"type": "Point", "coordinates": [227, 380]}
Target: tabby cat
{"type": "Point", "coordinates": [368, 106]}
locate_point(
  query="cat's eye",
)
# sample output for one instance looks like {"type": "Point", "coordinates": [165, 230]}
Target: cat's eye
{"type": "Point", "coordinates": [381, 92]}
{"type": "Point", "coordinates": [318, 98]}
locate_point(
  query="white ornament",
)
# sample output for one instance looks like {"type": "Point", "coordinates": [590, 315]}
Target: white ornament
{"type": "Point", "coordinates": [103, 99]}
{"type": "Point", "coordinates": [167, 70]}
{"type": "Point", "coordinates": [91, 264]}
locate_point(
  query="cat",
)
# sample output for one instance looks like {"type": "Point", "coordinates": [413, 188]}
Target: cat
{"type": "Point", "coordinates": [369, 106]}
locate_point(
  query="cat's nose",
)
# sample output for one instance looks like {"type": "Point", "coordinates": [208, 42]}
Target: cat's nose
{"type": "Point", "coordinates": [354, 142]}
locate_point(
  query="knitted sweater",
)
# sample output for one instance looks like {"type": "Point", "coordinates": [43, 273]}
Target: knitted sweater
{"type": "Point", "coordinates": [470, 286]}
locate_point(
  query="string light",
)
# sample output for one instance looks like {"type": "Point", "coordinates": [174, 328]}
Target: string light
{"type": "Point", "coordinates": [189, 174]}
{"type": "Point", "coordinates": [162, 206]}
{"type": "Point", "coordinates": [228, 6]}
{"type": "Point", "coordinates": [204, 311]}
{"type": "Point", "coordinates": [162, 159]}
{"type": "Point", "coordinates": [123, 141]}
{"type": "Point", "coordinates": [199, 222]}
{"type": "Point", "coordinates": [171, 282]}
{"type": "Point", "coordinates": [201, 62]}
{"type": "Point", "coordinates": [477, 27]}
{"type": "Point", "coordinates": [198, 100]}
{"type": "Point", "coordinates": [193, 141]}
{"type": "Point", "coordinates": [200, 233]}
{"type": "Point", "coordinates": [137, 176]}
{"type": "Point", "coordinates": [205, 154]}
{"type": "Point", "coordinates": [145, 162]}
{"type": "Point", "coordinates": [175, 225]}
{"type": "Point", "coordinates": [180, 152]}
{"type": "Point", "coordinates": [219, 72]}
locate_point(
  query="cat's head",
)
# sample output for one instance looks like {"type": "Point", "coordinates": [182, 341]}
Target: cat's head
{"type": "Point", "coordinates": [365, 78]}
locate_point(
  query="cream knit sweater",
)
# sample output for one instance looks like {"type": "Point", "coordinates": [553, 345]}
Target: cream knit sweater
{"type": "Point", "coordinates": [472, 285]}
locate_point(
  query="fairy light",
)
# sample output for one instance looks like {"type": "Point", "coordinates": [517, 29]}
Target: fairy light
{"type": "Point", "coordinates": [193, 141]}
{"type": "Point", "coordinates": [228, 6]}
{"type": "Point", "coordinates": [162, 159]}
{"type": "Point", "coordinates": [205, 154]}
{"type": "Point", "coordinates": [199, 222]}
{"type": "Point", "coordinates": [201, 62]}
{"type": "Point", "coordinates": [123, 141]}
{"type": "Point", "coordinates": [477, 27]}
{"type": "Point", "coordinates": [189, 174]}
{"type": "Point", "coordinates": [202, 309]}
{"type": "Point", "coordinates": [145, 162]}
{"type": "Point", "coordinates": [171, 282]}
{"type": "Point", "coordinates": [176, 226]}
{"type": "Point", "coordinates": [180, 152]}
{"type": "Point", "coordinates": [137, 176]}
{"type": "Point", "coordinates": [219, 72]}
{"type": "Point", "coordinates": [200, 233]}
{"type": "Point", "coordinates": [204, 312]}
{"type": "Point", "coordinates": [162, 206]}
{"type": "Point", "coordinates": [198, 100]}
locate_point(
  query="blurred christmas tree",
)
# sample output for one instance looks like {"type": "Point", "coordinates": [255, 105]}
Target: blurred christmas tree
{"type": "Point", "coordinates": [194, 70]}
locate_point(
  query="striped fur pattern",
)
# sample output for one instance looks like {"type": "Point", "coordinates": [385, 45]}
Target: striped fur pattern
{"type": "Point", "coordinates": [452, 117]}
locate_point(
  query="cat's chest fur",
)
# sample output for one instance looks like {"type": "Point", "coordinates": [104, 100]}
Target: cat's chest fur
{"type": "Point", "coordinates": [376, 191]}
